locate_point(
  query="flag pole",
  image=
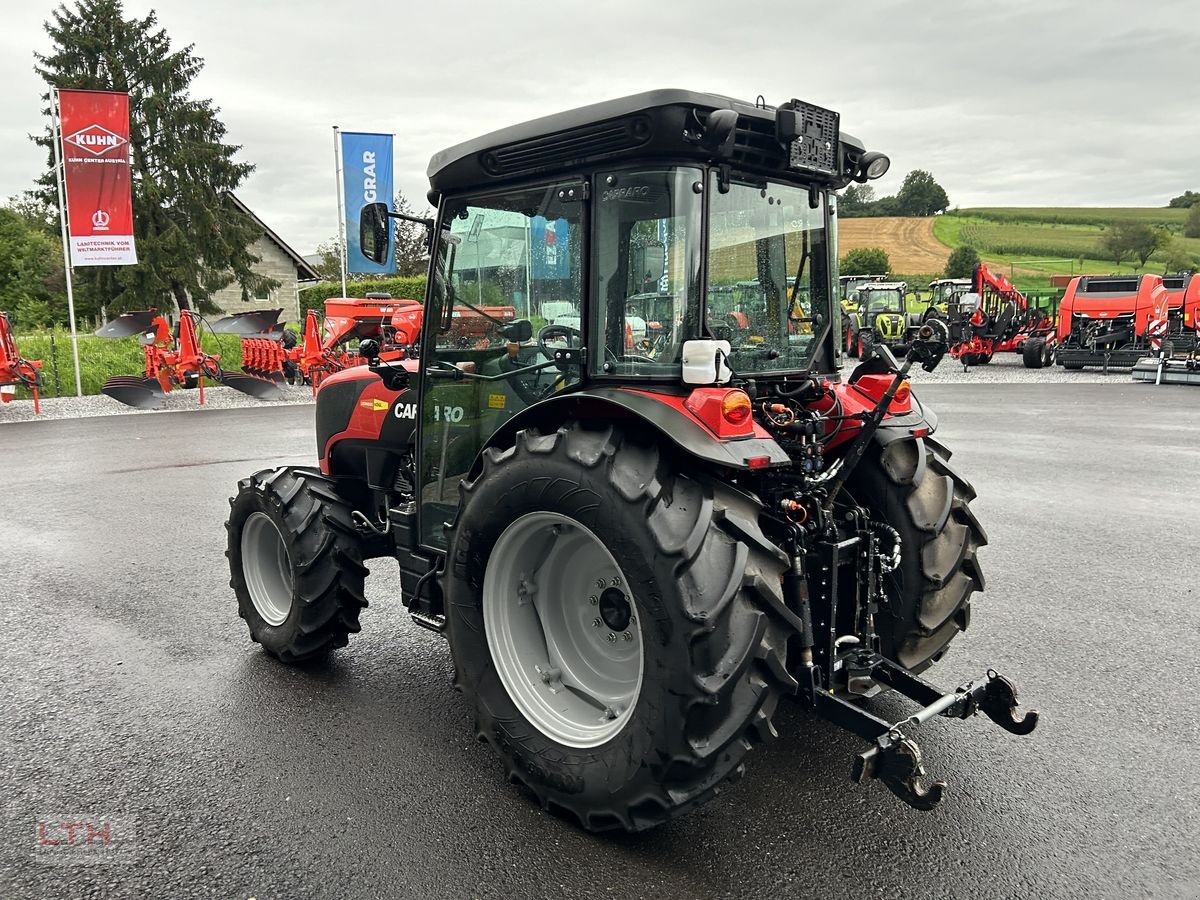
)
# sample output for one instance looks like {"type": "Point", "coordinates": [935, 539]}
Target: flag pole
{"type": "Point", "coordinates": [56, 116]}
{"type": "Point", "coordinates": [337, 174]}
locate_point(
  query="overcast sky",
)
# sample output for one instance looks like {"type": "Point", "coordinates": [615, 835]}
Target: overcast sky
{"type": "Point", "coordinates": [1016, 103]}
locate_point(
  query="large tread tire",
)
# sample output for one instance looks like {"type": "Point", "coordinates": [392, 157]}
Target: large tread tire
{"type": "Point", "coordinates": [326, 560]}
{"type": "Point", "coordinates": [704, 575]}
{"type": "Point", "coordinates": [910, 485]}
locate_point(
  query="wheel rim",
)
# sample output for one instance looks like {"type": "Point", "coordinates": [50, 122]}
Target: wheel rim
{"type": "Point", "coordinates": [549, 581]}
{"type": "Point", "coordinates": [267, 568]}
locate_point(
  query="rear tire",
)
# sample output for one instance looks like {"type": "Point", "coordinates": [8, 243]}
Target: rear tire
{"type": "Point", "coordinates": [712, 625]}
{"type": "Point", "coordinates": [295, 563]}
{"type": "Point", "coordinates": [1073, 366]}
{"type": "Point", "coordinates": [910, 485]}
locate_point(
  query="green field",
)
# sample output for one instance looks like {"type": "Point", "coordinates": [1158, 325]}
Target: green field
{"type": "Point", "coordinates": [1032, 243]}
{"type": "Point", "coordinates": [1077, 215]}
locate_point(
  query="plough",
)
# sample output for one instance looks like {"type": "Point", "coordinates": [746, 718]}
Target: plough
{"type": "Point", "coordinates": [271, 352]}
{"type": "Point", "coordinates": [15, 370]}
{"type": "Point", "coordinates": [171, 361]}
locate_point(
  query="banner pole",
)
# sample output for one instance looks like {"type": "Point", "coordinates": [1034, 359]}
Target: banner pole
{"type": "Point", "coordinates": [56, 117]}
{"type": "Point", "coordinates": [337, 175]}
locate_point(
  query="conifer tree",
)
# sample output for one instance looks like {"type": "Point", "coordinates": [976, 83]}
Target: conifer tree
{"type": "Point", "coordinates": [191, 240]}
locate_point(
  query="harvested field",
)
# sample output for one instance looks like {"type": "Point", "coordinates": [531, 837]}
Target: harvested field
{"type": "Point", "coordinates": [909, 243]}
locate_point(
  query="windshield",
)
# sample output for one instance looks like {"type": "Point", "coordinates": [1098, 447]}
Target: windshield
{"type": "Point", "coordinates": [888, 300]}
{"type": "Point", "coordinates": [768, 276]}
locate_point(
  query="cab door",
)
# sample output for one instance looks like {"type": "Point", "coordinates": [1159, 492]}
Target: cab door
{"type": "Point", "coordinates": [502, 257]}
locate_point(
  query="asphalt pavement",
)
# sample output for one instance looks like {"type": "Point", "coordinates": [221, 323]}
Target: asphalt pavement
{"type": "Point", "coordinates": [134, 700]}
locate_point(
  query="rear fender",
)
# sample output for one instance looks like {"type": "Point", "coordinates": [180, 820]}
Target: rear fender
{"type": "Point", "coordinates": [664, 413]}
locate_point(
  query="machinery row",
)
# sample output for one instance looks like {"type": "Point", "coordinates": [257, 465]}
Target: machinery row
{"type": "Point", "coordinates": [1147, 323]}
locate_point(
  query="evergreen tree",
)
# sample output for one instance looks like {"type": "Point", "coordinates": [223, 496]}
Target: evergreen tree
{"type": "Point", "coordinates": [190, 239]}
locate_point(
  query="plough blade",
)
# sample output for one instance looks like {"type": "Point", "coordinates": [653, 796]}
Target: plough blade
{"type": "Point", "coordinates": [259, 321]}
{"type": "Point", "coordinates": [259, 388]}
{"type": "Point", "coordinates": [128, 324]}
{"type": "Point", "coordinates": [132, 390]}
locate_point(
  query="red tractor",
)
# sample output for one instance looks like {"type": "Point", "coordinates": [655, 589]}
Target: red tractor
{"type": "Point", "coordinates": [994, 317]}
{"type": "Point", "coordinates": [1111, 320]}
{"type": "Point", "coordinates": [15, 370]}
{"type": "Point", "coordinates": [636, 552]}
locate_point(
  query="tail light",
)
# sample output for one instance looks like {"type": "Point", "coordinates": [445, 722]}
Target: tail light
{"type": "Point", "coordinates": [725, 411]}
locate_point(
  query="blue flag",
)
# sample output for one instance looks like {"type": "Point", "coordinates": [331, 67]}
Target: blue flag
{"type": "Point", "coordinates": [366, 178]}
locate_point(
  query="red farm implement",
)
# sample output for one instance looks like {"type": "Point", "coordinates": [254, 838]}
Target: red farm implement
{"type": "Point", "coordinates": [331, 345]}
{"type": "Point", "coordinates": [1112, 320]}
{"type": "Point", "coordinates": [172, 360]}
{"type": "Point", "coordinates": [994, 317]}
{"type": "Point", "coordinates": [15, 370]}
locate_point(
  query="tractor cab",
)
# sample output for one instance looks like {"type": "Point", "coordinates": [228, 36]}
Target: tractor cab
{"type": "Point", "coordinates": [697, 227]}
{"type": "Point", "coordinates": [884, 317]}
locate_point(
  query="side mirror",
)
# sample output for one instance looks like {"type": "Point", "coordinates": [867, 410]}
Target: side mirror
{"type": "Point", "coordinates": [375, 232]}
{"type": "Point", "coordinates": [647, 265]}
{"type": "Point", "coordinates": [519, 331]}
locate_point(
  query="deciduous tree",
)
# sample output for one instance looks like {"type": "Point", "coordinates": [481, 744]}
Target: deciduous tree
{"type": "Point", "coordinates": [920, 195]}
{"type": "Point", "coordinates": [1191, 228]}
{"type": "Point", "coordinates": [412, 257]}
{"type": "Point", "coordinates": [865, 261]}
{"type": "Point", "coordinates": [962, 262]}
{"type": "Point", "coordinates": [32, 287]}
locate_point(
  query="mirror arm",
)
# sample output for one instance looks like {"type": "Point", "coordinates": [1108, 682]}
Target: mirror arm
{"type": "Point", "coordinates": [428, 223]}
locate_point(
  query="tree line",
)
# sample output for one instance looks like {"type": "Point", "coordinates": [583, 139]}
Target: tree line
{"type": "Point", "coordinates": [919, 195]}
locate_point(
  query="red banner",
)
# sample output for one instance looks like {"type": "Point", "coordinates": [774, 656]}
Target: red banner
{"type": "Point", "coordinates": [95, 148]}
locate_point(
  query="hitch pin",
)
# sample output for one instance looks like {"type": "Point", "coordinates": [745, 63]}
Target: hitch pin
{"type": "Point", "coordinates": [937, 707]}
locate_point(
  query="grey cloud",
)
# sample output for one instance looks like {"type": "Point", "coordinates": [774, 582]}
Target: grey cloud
{"type": "Point", "coordinates": [1020, 103]}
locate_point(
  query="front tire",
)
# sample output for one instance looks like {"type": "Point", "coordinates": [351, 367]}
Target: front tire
{"type": "Point", "coordinates": [295, 563]}
{"type": "Point", "coordinates": [709, 633]}
{"type": "Point", "coordinates": [911, 486]}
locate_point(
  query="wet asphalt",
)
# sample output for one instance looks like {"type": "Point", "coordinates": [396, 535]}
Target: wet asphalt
{"type": "Point", "coordinates": [131, 694]}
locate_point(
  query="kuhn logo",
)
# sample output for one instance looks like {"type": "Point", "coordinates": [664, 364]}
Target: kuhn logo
{"type": "Point", "coordinates": [96, 140]}
{"type": "Point", "coordinates": [100, 220]}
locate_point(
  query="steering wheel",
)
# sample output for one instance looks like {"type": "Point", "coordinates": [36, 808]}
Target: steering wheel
{"type": "Point", "coordinates": [573, 335]}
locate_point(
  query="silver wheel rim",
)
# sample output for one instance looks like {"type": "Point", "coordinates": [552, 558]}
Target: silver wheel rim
{"type": "Point", "coordinates": [563, 631]}
{"type": "Point", "coordinates": [267, 568]}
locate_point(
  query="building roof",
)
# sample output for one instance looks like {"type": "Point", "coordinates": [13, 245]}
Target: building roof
{"type": "Point", "coordinates": [304, 270]}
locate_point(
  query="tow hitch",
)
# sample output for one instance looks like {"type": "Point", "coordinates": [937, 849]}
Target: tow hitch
{"type": "Point", "coordinates": [895, 759]}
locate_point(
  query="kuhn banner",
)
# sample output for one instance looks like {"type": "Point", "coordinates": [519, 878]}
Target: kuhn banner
{"type": "Point", "coordinates": [366, 178]}
{"type": "Point", "coordinates": [95, 149]}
